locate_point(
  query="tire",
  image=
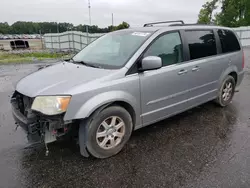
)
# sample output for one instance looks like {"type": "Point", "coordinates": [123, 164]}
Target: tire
{"type": "Point", "coordinates": [114, 144]}
{"type": "Point", "coordinates": [222, 100]}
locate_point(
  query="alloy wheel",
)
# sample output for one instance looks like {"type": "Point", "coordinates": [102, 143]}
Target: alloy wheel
{"type": "Point", "coordinates": [227, 91]}
{"type": "Point", "coordinates": [110, 132]}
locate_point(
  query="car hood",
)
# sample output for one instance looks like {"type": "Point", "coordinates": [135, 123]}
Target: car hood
{"type": "Point", "coordinates": [59, 79]}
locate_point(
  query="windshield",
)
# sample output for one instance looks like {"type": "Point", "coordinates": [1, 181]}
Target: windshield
{"type": "Point", "coordinates": [113, 50]}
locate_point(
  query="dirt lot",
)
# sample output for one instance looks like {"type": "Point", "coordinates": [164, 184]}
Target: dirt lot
{"type": "Point", "coordinates": [205, 147]}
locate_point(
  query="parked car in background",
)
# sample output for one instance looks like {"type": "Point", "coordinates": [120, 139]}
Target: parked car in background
{"type": "Point", "coordinates": [18, 36]}
{"type": "Point", "coordinates": [15, 37]}
{"type": "Point", "coordinates": [38, 36]}
{"type": "Point", "coordinates": [126, 80]}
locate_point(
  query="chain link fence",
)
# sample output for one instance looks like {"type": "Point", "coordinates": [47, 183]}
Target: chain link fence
{"type": "Point", "coordinates": [244, 35]}
{"type": "Point", "coordinates": [69, 41]}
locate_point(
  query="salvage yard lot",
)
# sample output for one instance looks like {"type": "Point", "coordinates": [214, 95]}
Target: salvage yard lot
{"type": "Point", "coordinates": [205, 147]}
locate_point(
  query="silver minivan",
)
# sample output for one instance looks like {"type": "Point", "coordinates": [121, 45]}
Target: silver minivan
{"type": "Point", "coordinates": [126, 80]}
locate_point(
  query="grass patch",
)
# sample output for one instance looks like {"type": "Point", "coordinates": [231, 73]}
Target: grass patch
{"type": "Point", "coordinates": [17, 60]}
{"type": "Point", "coordinates": [29, 56]}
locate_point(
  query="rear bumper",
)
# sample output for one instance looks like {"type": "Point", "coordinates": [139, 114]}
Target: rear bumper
{"type": "Point", "coordinates": [239, 81]}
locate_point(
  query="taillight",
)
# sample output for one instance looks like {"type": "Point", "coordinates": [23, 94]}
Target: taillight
{"type": "Point", "coordinates": [243, 60]}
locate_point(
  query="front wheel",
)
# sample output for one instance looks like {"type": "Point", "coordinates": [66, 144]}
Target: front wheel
{"type": "Point", "coordinates": [226, 92]}
{"type": "Point", "coordinates": [108, 132]}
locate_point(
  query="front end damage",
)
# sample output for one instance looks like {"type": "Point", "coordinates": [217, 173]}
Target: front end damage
{"type": "Point", "coordinates": [39, 128]}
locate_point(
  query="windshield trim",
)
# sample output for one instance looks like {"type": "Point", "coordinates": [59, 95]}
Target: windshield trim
{"type": "Point", "coordinates": [106, 66]}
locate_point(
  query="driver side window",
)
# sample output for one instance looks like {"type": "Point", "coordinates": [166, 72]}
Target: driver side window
{"type": "Point", "coordinates": [168, 47]}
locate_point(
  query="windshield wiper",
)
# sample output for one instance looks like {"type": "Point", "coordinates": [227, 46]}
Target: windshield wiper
{"type": "Point", "coordinates": [84, 63]}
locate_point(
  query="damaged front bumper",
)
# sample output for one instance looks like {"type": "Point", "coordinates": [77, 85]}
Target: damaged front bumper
{"type": "Point", "coordinates": [39, 128]}
{"type": "Point", "coordinates": [29, 125]}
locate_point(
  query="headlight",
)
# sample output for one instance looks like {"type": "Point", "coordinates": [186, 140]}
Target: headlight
{"type": "Point", "coordinates": [51, 105]}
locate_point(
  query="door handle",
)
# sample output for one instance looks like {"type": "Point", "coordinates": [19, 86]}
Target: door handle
{"type": "Point", "coordinates": [195, 69]}
{"type": "Point", "coordinates": [182, 72]}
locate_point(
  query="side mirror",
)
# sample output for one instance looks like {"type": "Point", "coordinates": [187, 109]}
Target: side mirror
{"type": "Point", "coordinates": [151, 63]}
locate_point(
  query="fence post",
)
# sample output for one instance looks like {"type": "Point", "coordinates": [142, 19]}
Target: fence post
{"type": "Point", "coordinates": [73, 41]}
{"type": "Point", "coordinates": [59, 41]}
{"type": "Point", "coordinates": [81, 41]}
{"type": "Point", "coordinates": [69, 42]}
{"type": "Point", "coordinates": [87, 30]}
{"type": "Point", "coordinates": [51, 42]}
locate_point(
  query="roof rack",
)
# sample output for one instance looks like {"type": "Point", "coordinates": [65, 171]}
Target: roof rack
{"type": "Point", "coordinates": [154, 23]}
{"type": "Point", "coordinates": [192, 24]}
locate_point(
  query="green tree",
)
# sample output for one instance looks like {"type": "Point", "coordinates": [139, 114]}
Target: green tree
{"type": "Point", "coordinates": [4, 28]}
{"type": "Point", "coordinates": [123, 25]}
{"type": "Point", "coordinates": [234, 13]}
{"type": "Point", "coordinates": [206, 13]}
{"type": "Point", "coordinates": [21, 27]}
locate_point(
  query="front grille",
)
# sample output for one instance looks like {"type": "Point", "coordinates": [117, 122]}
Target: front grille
{"type": "Point", "coordinates": [22, 103]}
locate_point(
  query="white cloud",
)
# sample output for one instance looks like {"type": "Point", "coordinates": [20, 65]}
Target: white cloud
{"type": "Point", "coordinates": [135, 12]}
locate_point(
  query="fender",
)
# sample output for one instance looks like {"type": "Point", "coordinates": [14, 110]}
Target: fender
{"type": "Point", "coordinates": [101, 99]}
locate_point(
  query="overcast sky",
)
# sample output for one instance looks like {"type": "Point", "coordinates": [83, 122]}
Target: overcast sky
{"type": "Point", "coordinates": [135, 12]}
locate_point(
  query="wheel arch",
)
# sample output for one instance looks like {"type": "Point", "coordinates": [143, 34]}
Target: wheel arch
{"type": "Point", "coordinates": [235, 76]}
{"type": "Point", "coordinates": [83, 128]}
{"type": "Point", "coordinates": [122, 104]}
{"type": "Point", "coordinates": [127, 107]}
{"type": "Point", "coordinates": [232, 71]}
{"type": "Point", "coordinates": [101, 101]}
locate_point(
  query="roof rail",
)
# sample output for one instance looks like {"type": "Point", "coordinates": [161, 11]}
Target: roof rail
{"type": "Point", "coordinates": [192, 24]}
{"type": "Point", "coordinates": [154, 23]}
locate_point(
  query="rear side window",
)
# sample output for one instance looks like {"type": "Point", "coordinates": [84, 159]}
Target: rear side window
{"type": "Point", "coordinates": [229, 42]}
{"type": "Point", "coordinates": [201, 43]}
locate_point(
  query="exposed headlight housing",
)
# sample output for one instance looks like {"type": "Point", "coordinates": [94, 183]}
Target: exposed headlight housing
{"type": "Point", "coordinates": [51, 105]}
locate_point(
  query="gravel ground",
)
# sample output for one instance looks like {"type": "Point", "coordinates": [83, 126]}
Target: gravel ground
{"type": "Point", "coordinates": [204, 147]}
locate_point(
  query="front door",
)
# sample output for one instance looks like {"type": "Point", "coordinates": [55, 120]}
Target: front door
{"type": "Point", "coordinates": [164, 91]}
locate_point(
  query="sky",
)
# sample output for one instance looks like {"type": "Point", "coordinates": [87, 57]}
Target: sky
{"type": "Point", "coordinates": [135, 12]}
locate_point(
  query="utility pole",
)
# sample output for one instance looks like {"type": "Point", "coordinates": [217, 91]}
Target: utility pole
{"type": "Point", "coordinates": [89, 13]}
{"type": "Point", "coordinates": [58, 36]}
{"type": "Point", "coordinates": [87, 28]}
{"type": "Point", "coordinates": [112, 19]}
{"type": "Point", "coordinates": [57, 27]}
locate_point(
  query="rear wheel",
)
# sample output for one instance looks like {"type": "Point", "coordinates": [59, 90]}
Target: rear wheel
{"type": "Point", "coordinates": [108, 132]}
{"type": "Point", "coordinates": [226, 92]}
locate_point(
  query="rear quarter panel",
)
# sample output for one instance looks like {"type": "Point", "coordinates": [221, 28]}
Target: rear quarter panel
{"type": "Point", "coordinates": [233, 63]}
